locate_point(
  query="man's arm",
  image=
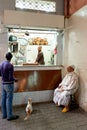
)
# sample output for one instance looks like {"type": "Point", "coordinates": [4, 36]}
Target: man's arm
{"type": "Point", "coordinates": [0, 70]}
{"type": "Point", "coordinates": [11, 74]}
{"type": "Point", "coordinates": [11, 71]}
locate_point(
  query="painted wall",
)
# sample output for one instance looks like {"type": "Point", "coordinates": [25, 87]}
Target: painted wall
{"type": "Point", "coordinates": [3, 42]}
{"type": "Point", "coordinates": [21, 18]}
{"type": "Point", "coordinates": [10, 5]}
{"type": "Point", "coordinates": [75, 52]}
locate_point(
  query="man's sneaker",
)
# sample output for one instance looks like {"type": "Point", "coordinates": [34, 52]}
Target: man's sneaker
{"type": "Point", "coordinates": [4, 117]}
{"type": "Point", "coordinates": [13, 118]}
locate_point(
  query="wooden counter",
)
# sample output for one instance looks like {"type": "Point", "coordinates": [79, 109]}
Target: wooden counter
{"type": "Point", "coordinates": [37, 78]}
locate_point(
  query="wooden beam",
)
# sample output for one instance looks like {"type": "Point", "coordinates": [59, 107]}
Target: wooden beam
{"type": "Point", "coordinates": [71, 6]}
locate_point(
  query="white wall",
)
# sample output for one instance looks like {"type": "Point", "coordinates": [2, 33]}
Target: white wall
{"type": "Point", "coordinates": [75, 52]}
{"type": "Point", "coordinates": [10, 4]}
{"type": "Point", "coordinates": [21, 18]}
{"type": "Point", "coordinates": [37, 96]}
{"type": "Point", "coordinates": [3, 42]}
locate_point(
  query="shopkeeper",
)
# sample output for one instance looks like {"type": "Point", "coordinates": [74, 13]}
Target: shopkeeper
{"type": "Point", "coordinates": [40, 56]}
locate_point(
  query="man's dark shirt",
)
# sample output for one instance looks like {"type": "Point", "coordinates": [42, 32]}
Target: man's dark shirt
{"type": "Point", "coordinates": [40, 58]}
{"type": "Point", "coordinates": [6, 71]}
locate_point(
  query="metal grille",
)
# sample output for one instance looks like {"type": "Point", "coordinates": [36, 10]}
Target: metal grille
{"type": "Point", "coordinates": [40, 5]}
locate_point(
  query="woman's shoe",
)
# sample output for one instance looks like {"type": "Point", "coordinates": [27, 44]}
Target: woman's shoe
{"type": "Point", "coordinates": [65, 109]}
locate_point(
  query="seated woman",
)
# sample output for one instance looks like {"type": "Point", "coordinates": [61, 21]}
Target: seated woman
{"type": "Point", "coordinates": [68, 86]}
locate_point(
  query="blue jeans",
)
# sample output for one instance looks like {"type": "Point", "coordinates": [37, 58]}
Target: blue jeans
{"type": "Point", "coordinates": [7, 98]}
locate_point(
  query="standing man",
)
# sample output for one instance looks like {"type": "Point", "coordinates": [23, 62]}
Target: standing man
{"type": "Point", "coordinates": [68, 86]}
{"type": "Point", "coordinates": [6, 72]}
{"type": "Point", "coordinates": [40, 56]}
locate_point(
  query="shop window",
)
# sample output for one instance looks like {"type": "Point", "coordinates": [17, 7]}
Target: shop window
{"type": "Point", "coordinates": [48, 6]}
{"type": "Point", "coordinates": [23, 44]}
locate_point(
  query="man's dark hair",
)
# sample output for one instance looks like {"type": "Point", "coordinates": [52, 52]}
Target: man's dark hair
{"type": "Point", "coordinates": [8, 56]}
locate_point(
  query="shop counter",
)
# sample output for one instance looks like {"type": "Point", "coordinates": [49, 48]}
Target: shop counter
{"type": "Point", "coordinates": [37, 77]}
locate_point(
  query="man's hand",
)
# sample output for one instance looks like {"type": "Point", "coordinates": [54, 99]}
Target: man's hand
{"type": "Point", "coordinates": [16, 80]}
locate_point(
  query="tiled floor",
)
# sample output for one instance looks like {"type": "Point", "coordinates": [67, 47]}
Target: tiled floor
{"type": "Point", "coordinates": [46, 116]}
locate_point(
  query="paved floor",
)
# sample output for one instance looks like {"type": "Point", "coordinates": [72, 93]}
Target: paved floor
{"type": "Point", "coordinates": [46, 116]}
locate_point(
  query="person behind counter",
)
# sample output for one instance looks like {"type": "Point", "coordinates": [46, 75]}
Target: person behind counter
{"type": "Point", "coordinates": [40, 56]}
{"type": "Point", "coordinates": [6, 72]}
